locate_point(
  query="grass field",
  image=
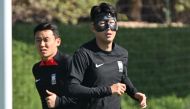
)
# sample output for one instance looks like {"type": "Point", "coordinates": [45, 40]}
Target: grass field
{"type": "Point", "coordinates": [159, 60]}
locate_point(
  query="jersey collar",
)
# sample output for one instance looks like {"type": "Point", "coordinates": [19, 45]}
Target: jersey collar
{"type": "Point", "coordinates": [106, 52]}
{"type": "Point", "coordinates": [51, 62]}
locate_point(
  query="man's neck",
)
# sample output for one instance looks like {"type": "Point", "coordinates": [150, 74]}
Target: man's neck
{"type": "Point", "coordinates": [104, 46]}
{"type": "Point", "coordinates": [50, 57]}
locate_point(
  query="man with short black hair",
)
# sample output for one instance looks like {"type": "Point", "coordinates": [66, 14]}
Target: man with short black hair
{"type": "Point", "coordinates": [52, 71]}
{"type": "Point", "coordinates": [98, 72]}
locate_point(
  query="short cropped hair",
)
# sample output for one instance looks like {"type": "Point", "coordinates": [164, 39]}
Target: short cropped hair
{"type": "Point", "coordinates": [102, 8]}
{"type": "Point", "coordinates": [47, 26]}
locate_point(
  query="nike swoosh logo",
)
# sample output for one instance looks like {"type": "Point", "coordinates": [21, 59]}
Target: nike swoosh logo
{"type": "Point", "coordinates": [37, 80]}
{"type": "Point", "coordinates": [98, 65]}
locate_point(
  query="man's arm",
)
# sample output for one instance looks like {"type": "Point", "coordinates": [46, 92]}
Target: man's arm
{"type": "Point", "coordinates": [78, 66]}
{"type": "Point", "coordinates": [54, 101]}
{"type": "Point", "coordinates": [141, 98]}
{"type": "Point", "coordinates": [132, 91]}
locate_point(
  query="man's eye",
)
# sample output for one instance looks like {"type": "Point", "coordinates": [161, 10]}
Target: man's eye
{"type": "Point", "coordinates": [112, 23]}
{"type": "Point", "coordinates": [46, 40]}
{"type": "Point", "coordinates": [101, 23]}
{"type": "Point", "coordinates": [38, 40]}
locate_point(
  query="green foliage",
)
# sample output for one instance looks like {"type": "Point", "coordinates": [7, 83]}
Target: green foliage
{"type": "Point", "coordinates": [165, 102]}
{"type": "Point", "coordinates": [182, 5]}
{"type": "Point", "coordinates": [158, 63]}
{"type": "Point", "coordinates": [162, 55]}
{"type": "Point", "coordinates": [122, 17]}
{"type": "Point", "coordinates": [25, 97]}
{"type": "Point", "coordinates": [65, 11]}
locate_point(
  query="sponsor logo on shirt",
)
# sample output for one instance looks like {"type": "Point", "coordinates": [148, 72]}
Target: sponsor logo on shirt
{"type": "Point", "coordinates": [98, 65]}
{"type": "Point", "coordinates": [37, 80]}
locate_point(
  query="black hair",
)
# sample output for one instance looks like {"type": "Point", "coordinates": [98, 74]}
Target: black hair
{"type": "Point", "coordinates": [47, 26]}
{"type": "Point", "coordinates": [102, 8]}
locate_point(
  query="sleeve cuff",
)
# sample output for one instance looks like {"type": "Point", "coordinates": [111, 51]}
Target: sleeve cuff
{"type": "Point", "coordinates": [57, 101]}
{"type": "Point", "coordinates": [109, 92]}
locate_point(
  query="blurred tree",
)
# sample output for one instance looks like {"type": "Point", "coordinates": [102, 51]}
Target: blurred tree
{"type": "Point", "coordinates": [73, 11]}
{"type": "Point", "coordinates": [155, 10]}
{"type": "Point", "coordinates": [132, 8]}
{"type": "Point", "coordinates": [182, 8]}
{"type": "Point", "coordinates": [146, 10]}
{"type": "Point", "coordinates": [66, 11]}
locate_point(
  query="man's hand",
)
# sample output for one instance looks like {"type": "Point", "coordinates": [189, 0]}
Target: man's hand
{"type": "Point", "coordinates": [50, 100]}
{"type": "Point", "coordinates": [142, 99]}
{"type": "Point", "coordinates": [118, 88]}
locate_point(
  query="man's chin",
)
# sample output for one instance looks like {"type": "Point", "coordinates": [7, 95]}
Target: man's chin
{"type": "Point", "coordinates": [44, 56]}
{"type": "Point", "coordinates": [108, 41]}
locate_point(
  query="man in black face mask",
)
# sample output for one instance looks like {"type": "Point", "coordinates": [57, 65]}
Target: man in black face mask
{"type": "Point", "coordinates": [104, 21]}
{"type": "Point", "coordinates": [98, 71]}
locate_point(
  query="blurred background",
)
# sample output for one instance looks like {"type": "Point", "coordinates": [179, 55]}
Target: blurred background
{"type": "Point", "coordinates": [155, 33]}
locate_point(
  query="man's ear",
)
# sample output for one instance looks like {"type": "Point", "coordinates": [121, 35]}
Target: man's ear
{"type": "Point", "coordinates": [92, 28]}
{"type": "Point", "coordinates": [58, 41]}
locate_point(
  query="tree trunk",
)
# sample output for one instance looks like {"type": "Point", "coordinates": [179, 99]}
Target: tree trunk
{"type": "Point", "coordinates": [132, 8]}
{"type": "Point", "coordinates": [135, 10]}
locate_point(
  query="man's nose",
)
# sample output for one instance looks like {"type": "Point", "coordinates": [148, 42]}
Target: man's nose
{"type": "Point", "coordinates": [108, 26]}
{"type": "Point", "coordinates": [42, 43]}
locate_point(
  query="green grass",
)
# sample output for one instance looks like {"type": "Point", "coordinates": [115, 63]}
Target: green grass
{"type": "Point", "coordinates": [159, 60]}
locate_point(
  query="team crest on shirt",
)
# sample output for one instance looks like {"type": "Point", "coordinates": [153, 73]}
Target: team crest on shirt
{"type": "Point", "coordinates": [120, 66]}
{"type": "Point", "coordinates": [53, 79]}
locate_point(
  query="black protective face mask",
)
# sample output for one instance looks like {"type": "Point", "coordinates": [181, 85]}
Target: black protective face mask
{"type": "Point", "coordinates": [105, 18]}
